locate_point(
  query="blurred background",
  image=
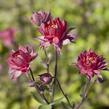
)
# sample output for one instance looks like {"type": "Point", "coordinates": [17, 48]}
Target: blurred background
{"type": "Point", "coordinates": [91, 19]}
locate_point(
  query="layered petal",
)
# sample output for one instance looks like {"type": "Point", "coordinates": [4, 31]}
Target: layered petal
{"type": "Point", "coordinates": [56, 32]}
{"type": "Point", "coordinates": [19, 61]}
{"type": "Point", "coordinates": [40, 17]}
{"type": "Point", "coordinates": [90, 63]}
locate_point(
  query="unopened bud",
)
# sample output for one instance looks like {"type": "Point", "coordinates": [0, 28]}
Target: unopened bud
{"type": "Point", "coordinates": [46, 78]}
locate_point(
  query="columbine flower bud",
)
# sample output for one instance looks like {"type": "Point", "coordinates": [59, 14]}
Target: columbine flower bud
{"type": "Point", "coordinates": [90, 64]}
{"type": "Point", "coordinates": [46, 78]}
{"type": "Point", "coordinates": [100, 79]}
{"type": "Point", "coordinates": [40, 17]}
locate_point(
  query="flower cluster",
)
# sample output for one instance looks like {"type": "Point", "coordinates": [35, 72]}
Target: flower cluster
{"type": "Point", "coordinates": [90, 63]}
{"type": "Point", "coordinates": [19, 61]}
{"type": "Point", "coordinates": [54, 30]}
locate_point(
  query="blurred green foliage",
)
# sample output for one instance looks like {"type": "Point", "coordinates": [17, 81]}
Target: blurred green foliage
{"type": "Point", "coordinates": [91, 18]}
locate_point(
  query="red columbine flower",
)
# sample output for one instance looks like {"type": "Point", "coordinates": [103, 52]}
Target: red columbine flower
{"type": "Point", "coordinates": [19, 61]}
{"type": "Point", "coordinates": [7, 36]}
{"type": "Point", "coordinates": [90, 63]}
{"type": "Point", "coordinates": [40, 17]}
{"type": "Point", "coordinates": [55, 32]}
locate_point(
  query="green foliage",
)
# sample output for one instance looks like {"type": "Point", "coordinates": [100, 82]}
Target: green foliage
{"type": "Point", "coordinates": [38, 98]}
{"type": "Point", "coordinates": [44, 107]}
{"type": "Point", "coordinates": [91, 19]}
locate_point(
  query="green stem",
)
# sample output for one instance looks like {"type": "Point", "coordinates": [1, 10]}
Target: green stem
{"type": "Point", "coordinates": [66, 97]}
{"type": "Point", "coordinates": [32, 75]}
{"type": "Point", "coordinates": [37, 87]}
{"type": "Point", "coordinates": [87, 88]}
{"type": "Point", "coordinates": [47, 59]}
{"type": "Point", "coordinates": [55, 76]}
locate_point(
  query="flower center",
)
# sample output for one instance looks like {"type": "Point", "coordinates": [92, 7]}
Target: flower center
{"type": "Point", "coordinates": [54, 26]}
{"type": "Point", "coordinates": [90, 61]}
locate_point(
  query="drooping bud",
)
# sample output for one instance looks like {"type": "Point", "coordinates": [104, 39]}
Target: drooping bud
{"type": "Point", "coordinates": [46, 78]}
{"type": "Point", "coordinates": [100, 79]}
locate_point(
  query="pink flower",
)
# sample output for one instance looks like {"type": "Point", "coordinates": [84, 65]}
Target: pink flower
{"type": "Point", "coordinates": [7, 36]}
{"type": "Point", "coordinates": [55, 32]}
{"type": "Point", "coordinates": [90, 63]}
{"type": "Point", "coordinates": [19, 61]}
{"type": "Point", "coordinates": [40, 17]}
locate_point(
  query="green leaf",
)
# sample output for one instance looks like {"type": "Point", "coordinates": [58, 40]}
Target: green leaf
{"type": "Point", "coordinates": [44, 107]}
{"type": "Point", "coordinates": [57, 101]}
{"type": "Point", "coordinates": [65, 105]}
{"type": "Point", "coordinates": [38, 98]}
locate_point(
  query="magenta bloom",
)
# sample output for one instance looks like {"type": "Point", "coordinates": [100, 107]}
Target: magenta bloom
{"type": "Point", "coordinates": [7, 36]}
{"type": "Point", "coordinates": [55, 32]}
{"type": "Point", "coordinates": [40, 17]}
{"type": "Point", "coordinates": [19, 61]}
{"type": "Point", "coordinates": [90, 63]}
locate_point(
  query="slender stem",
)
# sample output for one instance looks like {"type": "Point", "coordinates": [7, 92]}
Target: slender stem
{"type": "Point", "coordinates": [47, 59]}
{"type": "Point", "coordinates": [84, 95]}
{"type": "Point", "coordinates": [20, 89]}
{"type": "Point", "coordinates": [37, 88]}
{"type": "Point", "coordinates": [87, 88]}
{"type": "Point", "coordinates": [64, 93]}
{"type": "Point", "coordinates": [91, 87]}
{"type": "Point", "coordinates": [55, 76]}
{"type": "Point", "coordinates": [45, 98]}
{"type": "Point", "coordinates": [32, 75]}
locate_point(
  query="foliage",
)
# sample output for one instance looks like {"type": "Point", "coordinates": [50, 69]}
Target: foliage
{"type": "Point", "coordinates": [91, 20]}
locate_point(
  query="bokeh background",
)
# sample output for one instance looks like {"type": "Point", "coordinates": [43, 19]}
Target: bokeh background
{"type": "Point", "coordinates": [91, 19]}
